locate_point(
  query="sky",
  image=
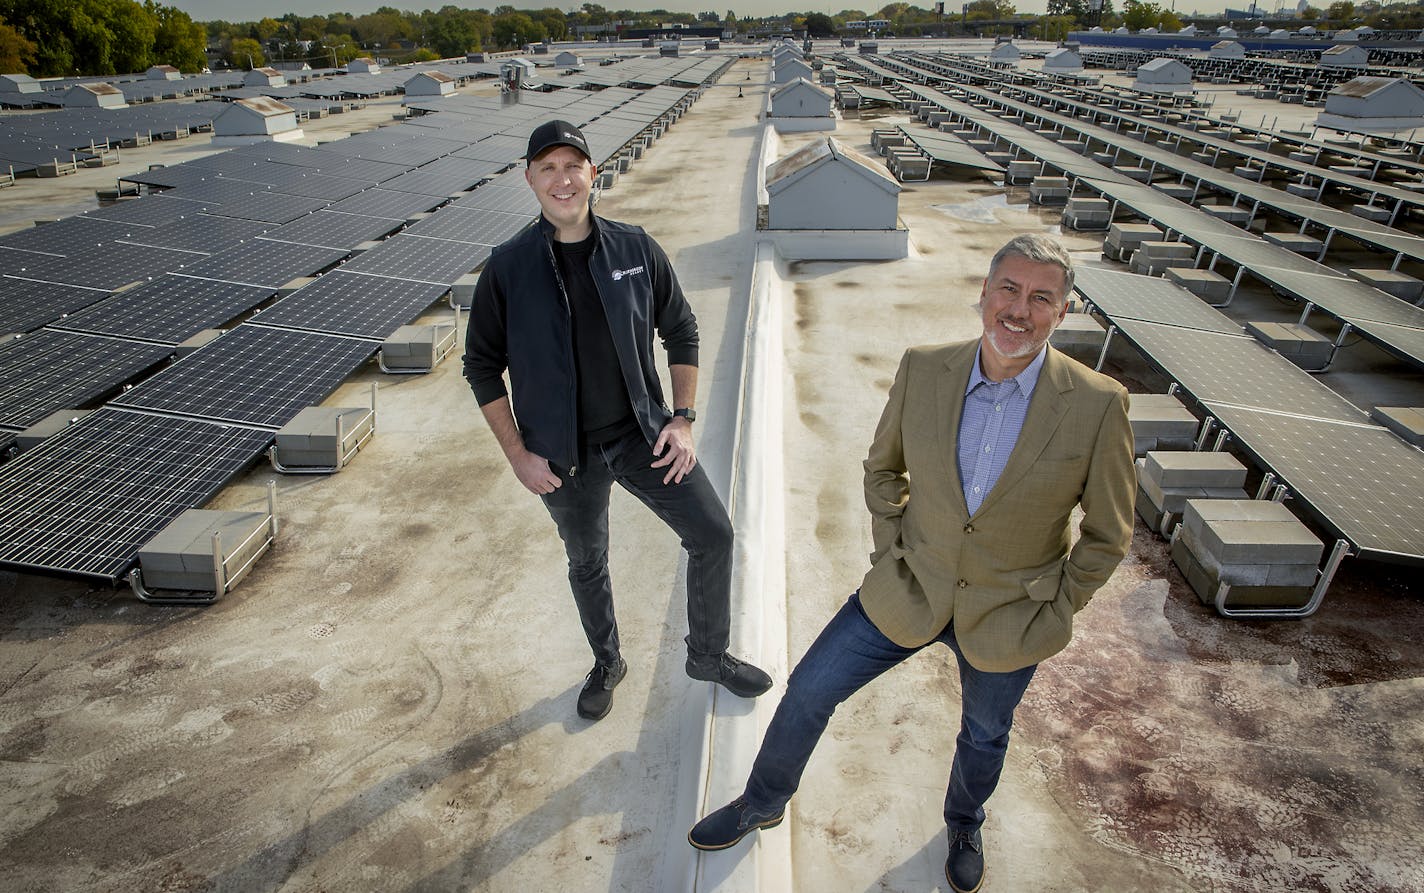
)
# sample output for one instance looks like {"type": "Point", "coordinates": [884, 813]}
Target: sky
{"type": "Point", "coordinates": [204, 10]}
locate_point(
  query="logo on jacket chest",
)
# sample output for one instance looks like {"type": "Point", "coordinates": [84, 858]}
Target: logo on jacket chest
{"type": "Point", "coordinates": [631, 271]}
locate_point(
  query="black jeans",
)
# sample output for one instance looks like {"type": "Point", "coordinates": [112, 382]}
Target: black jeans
{"type": "Point", "coordinates": [691, 508]}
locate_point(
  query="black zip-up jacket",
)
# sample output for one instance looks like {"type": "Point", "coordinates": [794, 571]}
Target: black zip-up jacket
{"type": "Point", "coordinates": [520, 321]}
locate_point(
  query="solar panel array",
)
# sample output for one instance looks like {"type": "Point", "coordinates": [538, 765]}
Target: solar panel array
{"type": "Point", "coordinates": [108, 295]}
{"type": "Point", "coordinates": [1356, 477]}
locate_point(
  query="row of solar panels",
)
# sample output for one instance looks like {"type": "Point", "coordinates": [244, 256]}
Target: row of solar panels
{"type": "Point", "coordinates": [1387, 321]}
{"type": "Point", "coordinates": [83, 502]}
{"type": "Point", "coordinates": [1356, 477]}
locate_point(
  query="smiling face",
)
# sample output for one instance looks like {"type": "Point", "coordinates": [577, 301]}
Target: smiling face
{"type": "Point", "coordinates": [562, 179]}
{"type": "Point", "coordinates": [1021, 303]}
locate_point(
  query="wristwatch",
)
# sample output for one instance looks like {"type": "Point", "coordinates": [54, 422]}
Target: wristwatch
{"type": "Point", "coordinates": [686, 412]}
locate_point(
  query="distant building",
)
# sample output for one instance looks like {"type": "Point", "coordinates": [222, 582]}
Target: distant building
{"type": "Point", "coordinates": [255, 120]}
{"type": "Point", "coordinates": [264, 77]}
{"type": "Point", "coordinates": [1373, 105]}
{"type": "Point", "coordinates": [93, 96]}
{"type": "Point", "coordinates": [363, 65]}
{"type": "Point", "coordinates": [1062, 60]}
{"type": "Point", "coordinates": [163, 73]}
{"type": "Point", "coordinates": [1163, 76]}
{"type": "Point", "coordinates": [430, 85]}
{"type": "Point", "coordinates": [1227, 49]}
{"type": "Point", "coordinates": [1343, 56]}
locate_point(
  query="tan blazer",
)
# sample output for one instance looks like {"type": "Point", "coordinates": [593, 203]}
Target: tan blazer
{"type": "Point", "coordinates": [1006, 576]}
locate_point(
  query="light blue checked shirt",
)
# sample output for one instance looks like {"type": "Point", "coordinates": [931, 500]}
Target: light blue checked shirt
{"type": "Point", "coordinates": [993, 416]}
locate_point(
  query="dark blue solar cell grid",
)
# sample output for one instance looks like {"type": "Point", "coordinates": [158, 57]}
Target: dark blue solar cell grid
{"type": "Point", "coordinates": [170, 309]}
{"type": "Point", "coordinates": [332, 229]}
{"type": "Point", "coordinates": [446, 180]}
{"type": "Point", "coordinates": [477, 226]}
{"type": "Point", "coordinates": [253, 376]}
{"type": "Point", "coordinates": [219, 190]}
{"type": "Point", "coordinates": [150, 210]}
{"type": "Point", "coordinates": [52, 370]}
{"type": "Point", "coordinates": [385, 203]}
{"type": "Point", "coordinates": [86, 500]}
{"type": "Point", "coordinates": [26, 305]}
{"type": "Point", "coordinates": [72, 235]}
{"type": "Point", "coordinates": [315, 185]}
{"type": "Point", "coordinates": [499, 198]}
{"type": "Point", "coordinates": [263, 262]}
{"type": "Point", "coordinates": [272, 207]}
{"type": "Point", "coordinates": [200, 232]}
{"type": "Point", "coordinates": [351, 304]}
{"type": "Point", "coordinates": [359, 168]}
{"type": "Point", "coordinates": [427, 260]}
{"type": "Point", "coordinates": [112, 265]}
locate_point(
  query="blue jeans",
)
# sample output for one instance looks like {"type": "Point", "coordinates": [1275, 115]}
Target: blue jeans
{"type": "Point", "coordinates": [849, 653]}
{"type": "Point", "coordinates": [692, 509]}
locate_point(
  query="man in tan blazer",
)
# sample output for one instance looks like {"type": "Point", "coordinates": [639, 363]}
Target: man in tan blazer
{"type": "Point", "coordinates": [983, 451]}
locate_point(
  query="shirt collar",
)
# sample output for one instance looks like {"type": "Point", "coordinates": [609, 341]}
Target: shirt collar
{"type": "Point", "coordinates": [1027, 380]}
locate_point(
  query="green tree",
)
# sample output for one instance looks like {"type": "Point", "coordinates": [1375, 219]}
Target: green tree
{"type": "Point", "coordinates": [1310, 14]}
{"type": "Point", "coordinates": [266, 29]}
{"type": "Point", "coordinates": [1341, 11]}
{"type": "Point", "coordinates": [818, 24]}
{"type": "Point", "coordinates": [177, 39]}
{"type": "Point", "coordinates": [245, 53]}
{"type": "Point", "coordinates": [453, 32]}
{"type": "Point", "coordinates": [17, 53]}
{"type": "Point", "coordinates": [1140, 14]}
{"type": "Point", "coordinates": [514, 29]}
{"type": "Point", "coordinates": [556, 27]}
{"type": "Point", "coordinates": [1055, 27]}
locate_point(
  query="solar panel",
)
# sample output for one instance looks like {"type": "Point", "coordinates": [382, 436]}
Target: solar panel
{"type": "Point", "coordinates": [169, 309]}
{"type": "Point", "coordinates": [264, 262]}
{"type": "Point", "coordinates": [110, 266]}
{"type": "Point", "coordinates": [319, 186]}
{"type": "Point", "coordinates": [359, 168]}
{"type": "Point", "coordinates": [1132, 296]}
{"type": "Point", "coordinates": [272, 207]}
{"type": "Point", "coordinates": [426, 260]}
{"type": "Point", "coordinates": [477, 226]}
{"type": "Point", "coordinates": [26, 305]}
{"type": "Point", "coordinates": [52, 370]}
{"type": "Point", "coordinates": [72, 235]}
{"type": "Point", "coordinates": [86, 500]}
{"type": "Point", "coordinates": [519, 200]}
{"type": "Point", "coordinates": [252, 375]}
{"type": "Point", "coordinates": [385, 203]}
{"type": "Point", "coordinates": [150, 210]}
{"type": "Point", "coordinates": [219, 190]}
{"type": "Point", "coordinates": [1363, 480]}
{"type": "Point", "coordinates": [344, 303]}
{"type": "Point", "coordinates": [200, 232]}
{"type": "Point", "coordinates": [333, 229]}
{"type": "Point", "coordinates": [443, 185]}
{"type": "Point", "coordinates": [1405, 341]}
{"type": "Point", "coordinates": [1238, 370]}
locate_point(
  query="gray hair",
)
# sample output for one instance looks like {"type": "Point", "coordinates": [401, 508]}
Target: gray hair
{"type": "Point", "coordinates": [1039, 249]}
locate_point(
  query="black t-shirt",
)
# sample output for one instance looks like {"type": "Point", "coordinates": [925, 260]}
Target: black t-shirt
{"type": "Point", "coordinates": [604, 411]}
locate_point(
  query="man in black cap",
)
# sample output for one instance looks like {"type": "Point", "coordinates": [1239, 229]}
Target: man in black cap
{"type": "Point", "coordinates": [568, 306]}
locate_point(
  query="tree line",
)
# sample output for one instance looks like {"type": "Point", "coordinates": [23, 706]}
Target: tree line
{"type": "Point", "coordinates": [54, 38]}
{"type": "Point", "coordinates": [49, 38]}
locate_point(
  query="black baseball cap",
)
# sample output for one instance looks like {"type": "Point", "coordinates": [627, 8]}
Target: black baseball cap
{"type": "Point", "coordinates": [556, 133]}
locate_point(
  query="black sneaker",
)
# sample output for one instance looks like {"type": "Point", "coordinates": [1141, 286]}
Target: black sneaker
{"type": "Point", "coordinates": [736, 676]}
{"type": "Point", "coordinates": [964, 869]}
{"type": "Point", "coordinates": [596, 698]}
{"type": "Point", "coordinates": [728, 825]}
